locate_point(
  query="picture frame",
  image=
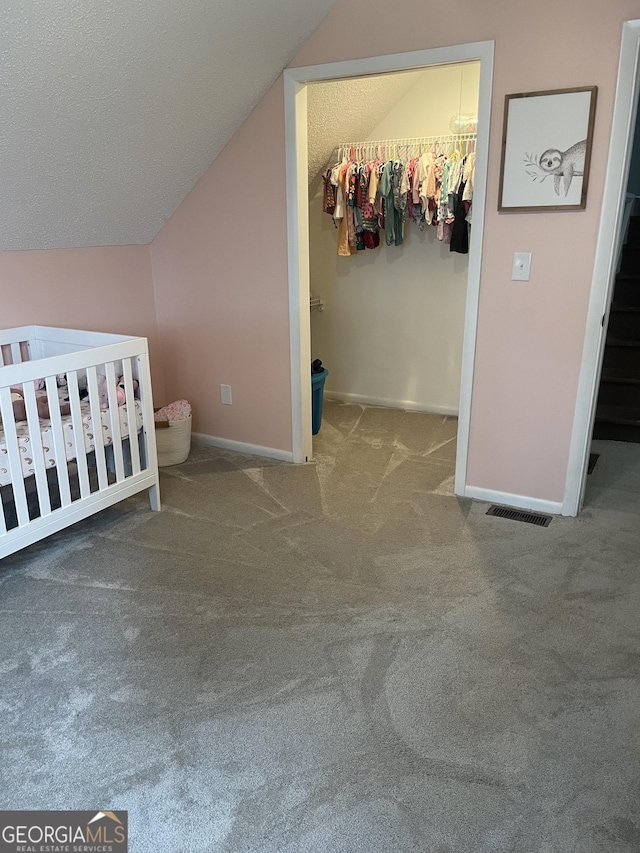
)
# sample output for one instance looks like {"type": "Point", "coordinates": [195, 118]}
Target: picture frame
{"type": "Point", "coordinates": [546, 150]}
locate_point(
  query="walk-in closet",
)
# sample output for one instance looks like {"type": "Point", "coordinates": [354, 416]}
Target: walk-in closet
{"type": "Point", "coordinates": [388, 322]}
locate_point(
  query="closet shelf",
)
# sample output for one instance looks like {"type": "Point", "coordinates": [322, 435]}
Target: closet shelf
{"type": "Point", "coordinates": [417, 142]}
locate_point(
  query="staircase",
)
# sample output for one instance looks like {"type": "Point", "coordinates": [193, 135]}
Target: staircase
{"type": "Point", "coordinates": [618, 410]}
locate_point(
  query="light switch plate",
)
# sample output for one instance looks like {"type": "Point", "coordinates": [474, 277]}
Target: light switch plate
{"type": "Point", "coordinates": [521, 270]}
{"type": "Point", "coordinates": [225, 394]}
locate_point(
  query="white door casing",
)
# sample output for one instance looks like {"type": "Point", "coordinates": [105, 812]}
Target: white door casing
{"type": "Point", "coordinates": [604, 269]}
{"type": "Point", "coordinates": [295, 82]}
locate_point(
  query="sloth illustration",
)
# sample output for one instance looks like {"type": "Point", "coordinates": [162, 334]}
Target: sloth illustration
{"type": "Point", "coordinates": [564, 164]}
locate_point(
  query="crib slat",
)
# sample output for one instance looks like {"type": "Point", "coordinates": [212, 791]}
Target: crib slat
{"type": "Point", "coordinates": [98, 432]}
{"type": "Point", "coordinates": [150, 460]}
{"type": "Point", "coordinates": [16, 353]}
{"type": "Point", "coordinates": [3, 523]}
{"type": "Point", "coordinates": [132, 416]}
{"type": "Point", "coordinates": [78, 433]}
{"type": "Point", "coordinates": [114, 418]}
{"type": "Point", "coordinates": [37, 454]}
{"type": "Point", "coordinates": [59, 447]}
{"type": "Point", "coordinates": [13, 456]}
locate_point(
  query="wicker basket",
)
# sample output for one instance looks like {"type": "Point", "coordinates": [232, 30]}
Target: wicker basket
{"type": "Point", "coordinates": [173, 442]}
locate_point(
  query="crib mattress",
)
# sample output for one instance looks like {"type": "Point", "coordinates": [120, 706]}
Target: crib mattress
{"type": "Point", "coordinates": [46, 434]}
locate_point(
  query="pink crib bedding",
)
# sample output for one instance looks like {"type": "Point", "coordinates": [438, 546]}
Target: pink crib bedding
{"type": "Point", "coordinates": [27, 450]}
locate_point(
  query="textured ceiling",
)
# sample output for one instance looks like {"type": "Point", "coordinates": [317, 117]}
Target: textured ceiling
{"type": "Point", "coordinates": [111, 111]}
{"type": "Point", "coordinates": [348, 110]}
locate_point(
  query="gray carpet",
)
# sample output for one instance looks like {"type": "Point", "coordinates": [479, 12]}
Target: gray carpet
{"type": "Point", "coordinates": [339, 657]}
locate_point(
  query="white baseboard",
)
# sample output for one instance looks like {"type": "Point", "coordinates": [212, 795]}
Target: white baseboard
{"type": "Point", "coordinates": [242, 447]}
{"type": "Point", "coordinates": [516, 501]}
{"type": "Point", "coordinates": [407, 405]}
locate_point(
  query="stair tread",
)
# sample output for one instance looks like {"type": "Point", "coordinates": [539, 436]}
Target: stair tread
{"type": "Point", "coordinates": [610, 374]}
{"type": "Point", "coordinates": [625, 309]}
{"type": "Point", "coordinates": [620, 342]}
{"type": "Point", "coordinates": [618, 415]}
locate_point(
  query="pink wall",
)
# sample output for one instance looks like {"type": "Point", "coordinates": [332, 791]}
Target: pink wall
{"type": "Point", "coordinates": [220, 262]}
{"type": "Point", "coordinates": [107, 289]}
{"type": "Point", "coordinates": [530, 336]}
{"type": "Point", "coordinates": [220, 278]}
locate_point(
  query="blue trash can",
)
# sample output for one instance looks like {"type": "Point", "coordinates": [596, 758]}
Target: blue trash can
{"type": "Point", "coordinates": [317, 393]}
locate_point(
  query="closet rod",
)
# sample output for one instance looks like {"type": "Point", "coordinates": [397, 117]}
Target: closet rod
{"type": "Point", "coordinates": [412, 141]}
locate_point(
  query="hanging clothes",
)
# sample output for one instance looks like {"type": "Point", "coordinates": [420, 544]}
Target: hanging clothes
{"type": "Point", "coordinates": [460, 231]}
{"type": "Point", "coordinates": [344, 248]}
{"type": "Point", "coordinates": [389, 189]}
{"type": "Point", "coordinates": [329, 194]}
{"type": "Point", "coordinates": [379, 193]}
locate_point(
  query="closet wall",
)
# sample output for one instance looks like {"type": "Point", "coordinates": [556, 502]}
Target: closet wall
{"type": "Point", "coordinates": [391, 330]}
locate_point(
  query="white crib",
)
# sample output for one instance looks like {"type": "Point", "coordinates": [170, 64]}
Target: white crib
{"type": "Point", "coordinates": [59, 470]}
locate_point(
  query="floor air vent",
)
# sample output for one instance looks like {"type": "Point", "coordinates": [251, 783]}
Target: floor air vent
{"type": "Point", "coordinates": [520, 515]}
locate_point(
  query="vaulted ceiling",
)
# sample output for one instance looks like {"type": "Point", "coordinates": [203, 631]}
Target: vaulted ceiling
{"type": "Point", "coordinates": [111, 111]}
{"type": "Point", "coordinates": [348, 110]}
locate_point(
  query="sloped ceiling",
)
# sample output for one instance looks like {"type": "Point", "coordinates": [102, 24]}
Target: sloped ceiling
{"type": "Point", "coordinates": [112, 110]}
{"type": "Point", "coordinates": [348, 111]}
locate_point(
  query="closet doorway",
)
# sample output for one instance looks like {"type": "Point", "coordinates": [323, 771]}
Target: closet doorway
{"type": "Point", "coordinates": [392, 320]}
{"type": "Point", "coordinates": [297, 81]}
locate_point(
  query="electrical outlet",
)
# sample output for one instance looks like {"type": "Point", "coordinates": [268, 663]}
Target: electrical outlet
{"type": "Point", "coordinates": [225, 394]}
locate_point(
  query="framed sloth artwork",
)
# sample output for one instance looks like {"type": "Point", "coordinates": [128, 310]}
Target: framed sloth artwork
{"type": "Point", "coordinates": [546, 150]}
